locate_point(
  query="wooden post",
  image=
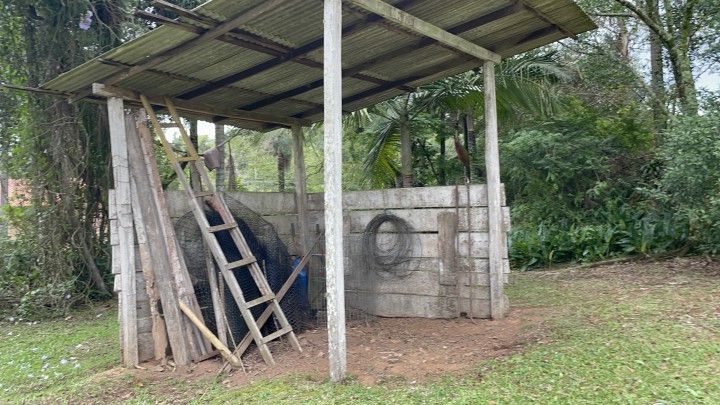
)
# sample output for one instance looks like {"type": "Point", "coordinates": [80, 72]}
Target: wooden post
{"type": "Point", "coordinates": [492, 168]}
{"type": "Point", "coordinates": [300, 187]}
{"type": "Point", "coordinates": [126, 237]}
{"type": "Point", "coordinates": [335, 283]}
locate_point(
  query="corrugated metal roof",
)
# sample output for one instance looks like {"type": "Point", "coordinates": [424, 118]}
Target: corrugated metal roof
{"type": "Point", "coordinates": [384, 58]}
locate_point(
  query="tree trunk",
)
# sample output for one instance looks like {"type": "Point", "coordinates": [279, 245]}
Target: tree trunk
{"type": "Point", "coordinates": [622, 43]}
{"type": "Point", "coordinates": [657, 75]}
{"type": "Point", "coordinates": [220, 171]}
{"type": "Point", "coordinates": [442, 160]}
{"type": "Point", "coordinates": [281, 168]}
{"type": "Point", "coordinates": [195, 182]}
{"type": "Point", "coordinates": [231, 174]}
{"type": "Point", "coordinates": [4, 196]}
{"type": "Point", "coordinates": [684, 80]}
{"type": "Point", "coordinates": [405, 152]}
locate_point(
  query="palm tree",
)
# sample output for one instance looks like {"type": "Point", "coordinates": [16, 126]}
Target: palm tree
{"type": "Point", "coordinates": [391, 124]}
{"type": "Point", "coordinates": [526, 86]}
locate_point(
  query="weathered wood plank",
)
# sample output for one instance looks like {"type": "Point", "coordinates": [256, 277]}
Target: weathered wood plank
{"type": "Point", "coordinates": [416, 197]}
{"type": "Point", "coordinates": [426, 244]}
{"type": "Point", "coordinates": [158, 254]}
{"type": "Point", "coordinates": [447, 226]}
{"type": "Point", "coordinates": [421, 27]}
{"type": "Point", "coordinates": [126, 237]}
{"type": "Point", "coordinates": [421, 219]}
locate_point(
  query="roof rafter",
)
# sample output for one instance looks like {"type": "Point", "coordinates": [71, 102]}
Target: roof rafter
{"type": "Point", "coordinates": [197, 81]}
{"type": "Point", "coordinates": [382, 58]}
{"type": "Point", "coordinates": [513, 42]}
{"type": "Point", "coordinates": [237, 37]}
{"type": "Point", "coordinates": [103, 90]}
{"type": "Point", "coordinates": [295, 53]}
{"type": "Point", "coordinates": [422, 27]}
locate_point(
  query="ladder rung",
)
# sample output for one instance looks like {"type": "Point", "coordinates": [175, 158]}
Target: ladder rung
{"type": "Point", "coordinates": [201, 194]}
{"type": "Point", "coordinates": [169, 125]}
{"type": "Point", "coordinates": [277, 334]}
{"type": "Point", "coordinates": [223, 227]}
{"type": "Point", "coordinates": [258, 301]}
{"type": "Point", "coordinates": [187, 158]}
{"type": "Point", "coordinates": [240, 263]}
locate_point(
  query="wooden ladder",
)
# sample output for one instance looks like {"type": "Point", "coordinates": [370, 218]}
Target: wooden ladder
{"type": "Point", "coordinates": [216, 201]}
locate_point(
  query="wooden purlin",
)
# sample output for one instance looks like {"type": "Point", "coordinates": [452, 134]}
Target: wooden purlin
{"type": "Point", "coordinates": [414, 24]}
{"type": "Point", "coordinates": [241, 38]}
{"type": "Point", "coordinates": [291, 55]}
{"type": "Point", "coordinates": [383, 58]}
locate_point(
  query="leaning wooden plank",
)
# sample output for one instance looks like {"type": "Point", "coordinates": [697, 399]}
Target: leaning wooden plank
{"type": "Point", "coordinates": [224, 351]}
{"type": "Point", "coordinates": [184, 286]}
{"type": "Point", "coordinates": [126, 237]}
{"type": "Point", "coordinates": [418, 26]}
{"type": "Point", "coordinates": [158, 329]}
{"type": "Point", "coordinates": [160, 261]}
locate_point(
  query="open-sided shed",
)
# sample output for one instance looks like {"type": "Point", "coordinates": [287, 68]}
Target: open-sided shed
{"type": "Point", "coordinates": [264, 64]}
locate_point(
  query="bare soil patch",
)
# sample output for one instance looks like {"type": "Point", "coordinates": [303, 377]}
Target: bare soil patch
{"type": "Point", "coordinates": [387, 349]}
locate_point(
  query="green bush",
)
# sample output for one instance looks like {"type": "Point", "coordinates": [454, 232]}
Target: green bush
{"type": "Point", "coordinates": [690, 182]}
{"type": "Point", "coordinates": [579, 191]}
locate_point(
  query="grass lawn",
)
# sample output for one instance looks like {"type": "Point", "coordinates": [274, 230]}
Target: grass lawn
{"type": "Point", "coordinates": [644, 333]}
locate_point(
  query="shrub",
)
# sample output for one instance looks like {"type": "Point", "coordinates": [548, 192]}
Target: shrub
{"type": "Point", "coordinates": [690, 182]}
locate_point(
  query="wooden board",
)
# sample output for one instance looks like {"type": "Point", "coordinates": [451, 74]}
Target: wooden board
{"type": "Point", "coordinates": [125, 254]}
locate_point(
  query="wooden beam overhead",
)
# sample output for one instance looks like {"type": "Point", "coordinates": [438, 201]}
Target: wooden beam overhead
{"type": "Point", "coordinates": [414, 24]}
{"type": "Point", "coordinates": [385, 57]}
{"type": "Point", "coordinates": [102, 90]}
{"type": "Point", "coordinates": [547, 19]}
{"type": "Point", "coordinates": [196, 81]}
{"type": "Point", "coordinates": [291, 55]}
{"type": "Point", "coordinates": [207, 36]}
{"type": "Point", "coordinates": [240, 38]}
{"type": "Point", "coordinates": [377, 90]}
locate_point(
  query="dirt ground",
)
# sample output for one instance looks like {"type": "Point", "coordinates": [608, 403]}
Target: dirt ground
{"type": "Point", "coordinates": [383, 350]}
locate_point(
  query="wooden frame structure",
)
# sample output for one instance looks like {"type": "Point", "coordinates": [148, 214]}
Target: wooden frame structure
{"type": "Point", "coordinates": [183, 61]}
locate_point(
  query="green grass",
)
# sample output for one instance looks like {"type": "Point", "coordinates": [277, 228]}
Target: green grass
{"type": "Point", "coordinates": [647, 334]}
{"type": "Point", "coordinates": [42, 359]}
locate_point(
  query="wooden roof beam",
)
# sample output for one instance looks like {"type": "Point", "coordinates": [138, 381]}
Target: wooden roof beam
{"type": "Point", "coordinates": [547, 19]}
{"type": "Point", "coordinates": [207, 36]}
{"type": "Point", "coordinates": [291, 55]}
{"type": "Point", "coordinates": [197, 81]}
{"type": "Point", "coordinates": [370, 63]}
{"type": "Point", "coordinates": [103, 90]}
{"type": "Point", "coordinates": [510, 43]}
{"type": "Point", "coordinates": [241, 39]}
{"type": "Point", "coordinates": [421, 27]}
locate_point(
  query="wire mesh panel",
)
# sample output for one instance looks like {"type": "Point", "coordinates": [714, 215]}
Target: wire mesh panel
{"type": "Point", "coordinates": [267, 247]}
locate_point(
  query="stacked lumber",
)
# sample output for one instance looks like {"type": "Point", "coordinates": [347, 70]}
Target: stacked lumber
{"type": "Point", "coordinates": [151, 279]}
